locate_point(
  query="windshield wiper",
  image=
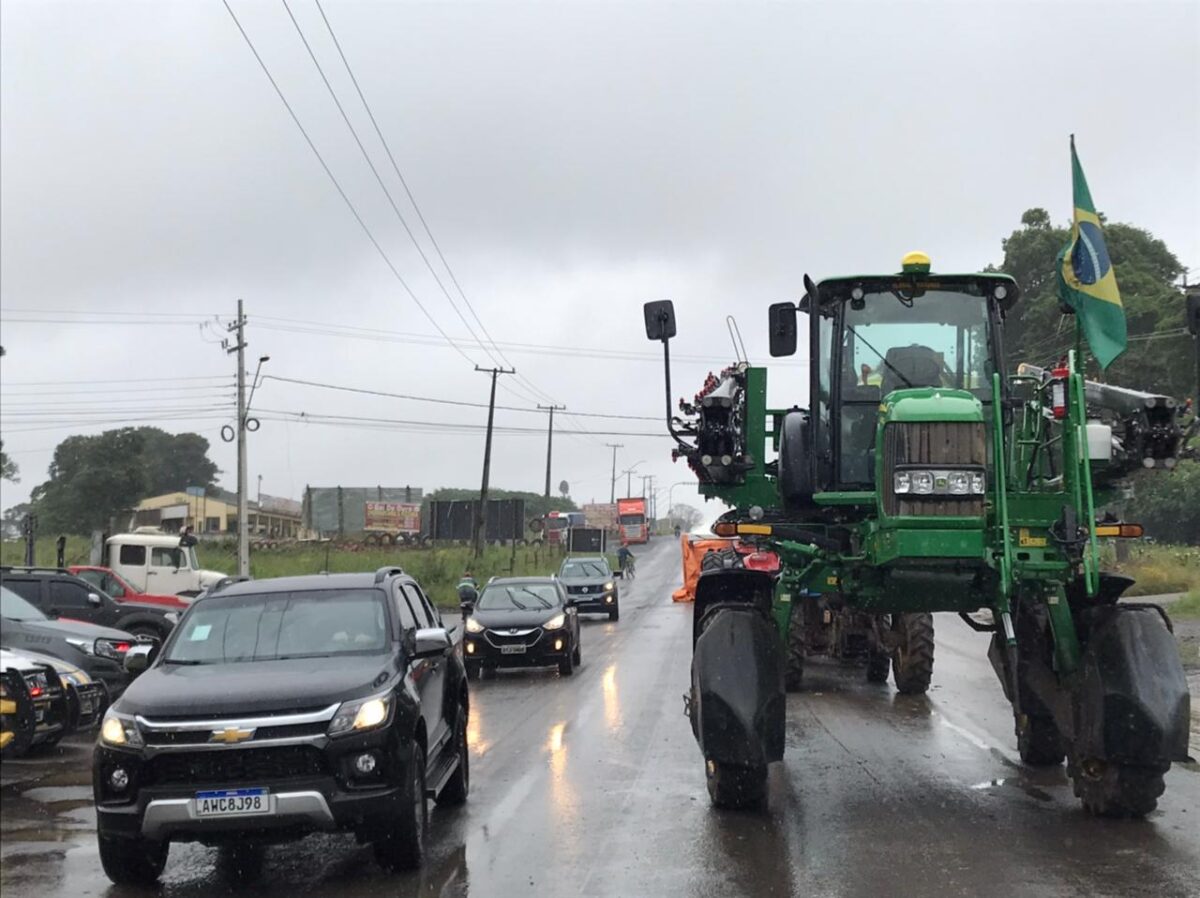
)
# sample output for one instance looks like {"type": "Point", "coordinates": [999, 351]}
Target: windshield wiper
{"type": "Point", "coordinates": [545, 604]}
{"type": "Point", "coordinates": [907, 382]}
{"type": "Point", "coordinates": [513, 599]}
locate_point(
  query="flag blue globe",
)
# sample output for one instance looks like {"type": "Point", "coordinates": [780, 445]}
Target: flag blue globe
{"type": "Point", "coordinates": [1089, 258]}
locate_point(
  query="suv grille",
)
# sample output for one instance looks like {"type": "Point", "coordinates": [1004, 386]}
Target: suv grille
{"type": "Point", "coordinates": [937, 444]}
{"type": "Point", "coordinates": [500, 638]}
{"type": "Point", "coordinates": [234, 765]}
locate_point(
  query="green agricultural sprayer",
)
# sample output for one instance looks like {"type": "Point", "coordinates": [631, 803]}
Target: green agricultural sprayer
{"type": "Point", "coordinates": [922, 478]}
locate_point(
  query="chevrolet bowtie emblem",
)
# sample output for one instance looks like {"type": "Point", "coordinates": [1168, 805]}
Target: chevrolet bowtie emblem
{"type": "Point", "coordinates": [230, 735]}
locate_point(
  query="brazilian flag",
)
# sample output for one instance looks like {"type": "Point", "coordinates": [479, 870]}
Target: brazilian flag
{"type": "Point", "coordinates": [1086, 281]}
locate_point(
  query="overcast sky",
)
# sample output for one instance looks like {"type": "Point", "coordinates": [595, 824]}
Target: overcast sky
{"type": "Point", "coordinates": [573, 160]}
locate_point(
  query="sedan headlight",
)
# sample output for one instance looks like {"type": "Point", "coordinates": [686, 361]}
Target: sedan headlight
{"type": "Point", "coordinates": [363, 714]}
{"type": "Point", "coordinates": [118, 729]}
{"type": "Point", "coordinates": [556, 622]}
{"type": "Point", "coordinates": [474, 626]}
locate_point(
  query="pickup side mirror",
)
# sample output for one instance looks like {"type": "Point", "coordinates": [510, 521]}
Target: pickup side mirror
{"type": "Point", "coordinates": [430, 642]}
{"type": "Point", "coordinates": [660, 319]}
{"type": "Point", "coordinates": [94, 600]}
{"type": "Point", "coordinates": [137, 659]}
{"type": "Point", "coordinates": [782, 329]}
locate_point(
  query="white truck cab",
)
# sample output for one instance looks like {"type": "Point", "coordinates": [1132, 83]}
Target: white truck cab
{"type": "Point", "coordinates": [158, 563]}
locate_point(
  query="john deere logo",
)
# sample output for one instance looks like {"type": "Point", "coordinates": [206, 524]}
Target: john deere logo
{"type": "Point", "coordinates": [231, 735]}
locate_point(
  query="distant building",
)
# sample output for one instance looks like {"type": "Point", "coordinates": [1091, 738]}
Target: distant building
{"type": "Point", "coordinates": [215, 513]}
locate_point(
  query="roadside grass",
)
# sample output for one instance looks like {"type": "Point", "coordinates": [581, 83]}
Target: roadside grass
{"type": "Point", "coordinates": [1187, 607]}
{"type": "Point", "coordinates": [1157, 568]}
{"type": "Point", "coordinates": [437, 569]}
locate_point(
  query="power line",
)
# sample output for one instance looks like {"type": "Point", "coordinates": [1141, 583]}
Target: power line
{"type": "Point", "coordinates": [417, 208]}
{"type": "Point", "coordinates": [456, 402]}
{"type": "Point", "coordinates": [89, 381]}
{"type": "Point", "coordinates": [425, 426]}
{"type": "Point", "coordinates": [337, 185]}
{"type": "Point", "coordinates": [379, 180]}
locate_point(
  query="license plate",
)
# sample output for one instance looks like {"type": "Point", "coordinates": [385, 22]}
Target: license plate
{"type": "Point", "coordinates": [512, 650]}
{"type": "Point", "coordinates": [86, 706]}
{"type": "Point", "coordinates": [233, 803]}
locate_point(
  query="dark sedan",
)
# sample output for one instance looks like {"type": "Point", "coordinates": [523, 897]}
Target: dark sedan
{"type": "Point", "coordinates": [99, 651]}
{"type": "Point", "coordinates": [521, 622]}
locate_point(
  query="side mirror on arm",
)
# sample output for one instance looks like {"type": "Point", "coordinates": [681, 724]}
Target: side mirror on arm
{"type": "Point", "coordinates": [660, 319]}
{"type": "Point", "coordinates": [94, 600]}
{"type": "Point", "coordinates": [782, 328]}
{"type": "Point", "coordinates": [429, 642]}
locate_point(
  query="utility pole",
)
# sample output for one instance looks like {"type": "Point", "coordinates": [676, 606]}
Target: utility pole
{"type": "Point", "coordinates": [243, 535]}
{"type": "Point", "coordinates": [550, 439]}
{"type": "Point", "coordinates": [612, 492]}
{"type": "Point", "coordinates": [481, 515]}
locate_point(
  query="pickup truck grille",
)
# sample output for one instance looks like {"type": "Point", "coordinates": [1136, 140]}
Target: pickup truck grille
{"type": "Point", "coordinates": [234, 765]}
{"type": "Point", "coordinates": [938, 444]}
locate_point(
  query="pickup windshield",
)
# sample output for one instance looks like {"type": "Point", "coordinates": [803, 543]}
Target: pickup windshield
{"type": "Point", "coordinates": [276, 626]}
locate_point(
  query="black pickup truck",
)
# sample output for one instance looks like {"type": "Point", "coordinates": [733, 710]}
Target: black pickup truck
{"type": "Point", "coordinates": [278, 708]}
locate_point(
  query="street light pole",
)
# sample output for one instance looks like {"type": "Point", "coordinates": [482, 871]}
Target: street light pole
{"type": "Point", "coordinates": [487, 457]}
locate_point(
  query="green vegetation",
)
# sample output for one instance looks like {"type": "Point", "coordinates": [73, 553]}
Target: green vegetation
{"type": "Point", "coordinates": [1187, 607]}
{"type": "Point", "coordinates": [1157, 568]}
{"type": "Point", "coordinates": [437, 569]}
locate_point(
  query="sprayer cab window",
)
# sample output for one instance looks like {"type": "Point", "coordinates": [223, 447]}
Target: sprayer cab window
{"type": "Point", "coordinates": [936, 339]}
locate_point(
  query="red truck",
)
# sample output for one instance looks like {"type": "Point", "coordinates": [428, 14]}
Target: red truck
{"type": "Point", "coordinates": [109, 581]}
{"type": "Point", "coordinates": [631, 517]}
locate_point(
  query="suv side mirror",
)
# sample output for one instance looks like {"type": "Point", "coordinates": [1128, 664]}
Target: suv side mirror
{"type": "Point", "coordinates": [430, 642]}
{"type": "Point", "coordinates": [94, 600]}
{"type": "Point", "coordinates": [660, 319]}
{"type": "Point", "coordinates": [137, 659]}
{"type": "Point", "coordinates": [782, 328]}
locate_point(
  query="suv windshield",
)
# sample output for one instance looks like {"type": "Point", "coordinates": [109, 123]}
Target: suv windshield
{"type": "Point", "coordinates": [275, 626]}
{"type": "Point", "coordinates": [591, 568]}
{"type": "Point", "coordinates": [519, 597]}
{"type": "Point", "coordinates": [14, 607]}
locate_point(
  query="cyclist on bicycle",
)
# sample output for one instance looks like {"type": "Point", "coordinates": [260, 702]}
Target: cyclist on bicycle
{"type": "Point", "coordinates": [625, 560]}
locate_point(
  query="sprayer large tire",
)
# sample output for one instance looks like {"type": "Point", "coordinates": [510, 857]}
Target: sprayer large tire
{"type": "Point", "coordinates": [793, 676]}
{"type": "Point", "coordinates": [912, 659]}
{"type": "Point", "coordinates": [736, 788]}
{"type": "Point", "coordinates": [1113, 790]}
{"type": "Point", "coordinates": [1039, 742]}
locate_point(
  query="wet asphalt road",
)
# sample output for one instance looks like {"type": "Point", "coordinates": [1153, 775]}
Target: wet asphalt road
{"type": "Point", "coordinates": [592, 785]}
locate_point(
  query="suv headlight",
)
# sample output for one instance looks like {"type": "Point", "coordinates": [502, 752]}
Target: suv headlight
{"type": "Point", "coordinates": [556, 622]}
{"type": "Point", "coordinates": [118, 729]}
{"type": "Point", "coordinates": [362, 714]}
{"type": "Point", "coordinates": [474, 626]}
{"type": "Point", "coordinates": [609, 586]}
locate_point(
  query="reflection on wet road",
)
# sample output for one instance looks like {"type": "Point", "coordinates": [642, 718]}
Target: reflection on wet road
{"type": "Point", "coordinates": [592, 785]}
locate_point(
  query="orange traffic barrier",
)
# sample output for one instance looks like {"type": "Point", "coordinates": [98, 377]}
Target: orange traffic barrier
{"type": "Point", "coordinates": [693, 551]}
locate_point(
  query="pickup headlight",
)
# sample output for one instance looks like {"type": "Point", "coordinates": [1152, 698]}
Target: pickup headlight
{"type": "Point", "coordinates": [363, 714]}
{"type": "Point", "coordinates": [111, 649]}
{"type": "Point", "coordinates": [556, 622]}
{"type": "Point", "coordinates": [118, 729]}
{"type": "Point", "coordinates": [474, 626]}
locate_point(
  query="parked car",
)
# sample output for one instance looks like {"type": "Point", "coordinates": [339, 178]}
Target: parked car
{"type": "Point", "coordinates": [591, 585]}
{"type": "Point", "coordinates": [59, 593]}
{"type": "Point", "coordinates": [521, 622]}
{"type": "Point", "coordinates": [98, 651]}
{"type": "Point", "coordinates": [278, 708]}
{"type": "Point", "coordinates": [42, 714]}
{"type": "Point", "coordinates": [111, 583]}
{"type": "Point", "coordinates": [87, 699]}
